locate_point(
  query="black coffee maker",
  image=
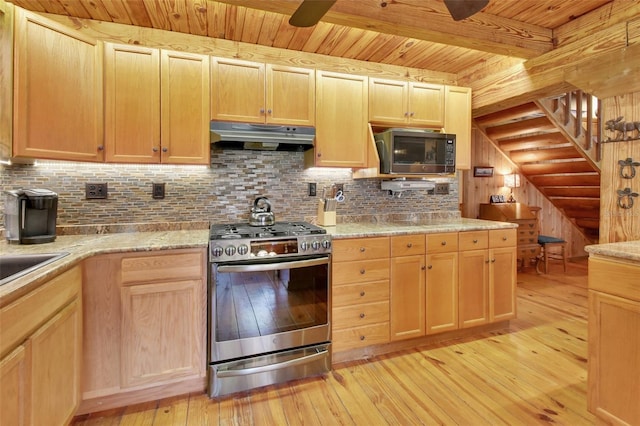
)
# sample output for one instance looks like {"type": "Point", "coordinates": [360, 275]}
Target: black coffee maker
{"type": "Point", "coordinates": [30, 216]}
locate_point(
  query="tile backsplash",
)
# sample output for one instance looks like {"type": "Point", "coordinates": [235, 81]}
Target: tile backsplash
{"type": "Point", "coordinates": [222, 193]}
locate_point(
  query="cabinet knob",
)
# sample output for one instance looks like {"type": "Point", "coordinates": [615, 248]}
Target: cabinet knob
{"type": "Point", "coordinates": [269, 111]}
{"type": "Point", "coordinates": [362, 294]}
{"type": "Point", "coordinates": [423, 267]}
{"type": "Point", "coordinates": [362, 315]}
{"type": "Point", "coordinates": [361, 337]}
{"type": "Point", "coordinates": [412, 114]}
{"type": "Point", "coordinates": [409, 245]}
{"type": "Point", "coordinates": [493, 261]}
{"type": "Point", "coordinates": [444, 243]}
{"type": "Point", "coordinates": [486, 261]}
{"type": "Point", "coordinates": [362, 271]}
{"type": "Point", "coordinates": [475, 241]}
{"type": "Point", "coordinates": [261, 110]}
{"type": "Point", "coordinates": [430, 266]}
{"type": "Point", "coordinates": [406, 113]}
{"type": "Point", "coordinates": [100, 147]}
{"type": "Point", "coordinates": [362, 249]}
{"type": "Point", "coordinates": [165, 149]}
{"type": "Point", "coordinates": [155, 149]}
{"type": "Point", "coordinates": [504, 238]}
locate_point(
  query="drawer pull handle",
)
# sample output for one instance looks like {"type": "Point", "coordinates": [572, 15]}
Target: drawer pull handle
{"type": "Point", "coordinates": [362, 271]}
{"type": "Point", "coordinates": [362, 315]}
{"type": "Point", "coordinates": [444, 243]}
{"type": "Point", "coordinates": [362, 249]}
{"type": "Point", "coordinates": [409, 245]}
{"type": "Point", "coordinates": [361, 337]}
{"type": "Point", "coordinates": [504, 238]}
{"type": "Point", "coordinates": [475, 241]}
{"type": "Point", "coordinates": [362, 294]}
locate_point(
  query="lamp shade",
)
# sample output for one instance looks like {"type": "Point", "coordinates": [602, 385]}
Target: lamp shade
{"type": "Point", "coordinates": [512, 180]}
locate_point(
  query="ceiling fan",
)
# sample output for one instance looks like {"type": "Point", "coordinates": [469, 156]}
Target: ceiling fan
{"type": "Point", "coordinates": [311, 11]}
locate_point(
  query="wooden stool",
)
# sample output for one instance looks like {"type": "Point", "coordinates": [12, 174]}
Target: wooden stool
{"type": "Point", "coordinates": [552, 243]}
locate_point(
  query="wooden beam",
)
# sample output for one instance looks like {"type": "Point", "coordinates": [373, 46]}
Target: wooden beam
{"type": "Point", "coordinates": [487, 33]}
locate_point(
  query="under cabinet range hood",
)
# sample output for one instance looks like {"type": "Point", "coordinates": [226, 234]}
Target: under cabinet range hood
{"type": "Point", "coordinates": [264, 137]}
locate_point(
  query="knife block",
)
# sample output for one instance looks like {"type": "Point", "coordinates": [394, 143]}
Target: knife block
{"type": "Point", "coordinates": [325, 218]}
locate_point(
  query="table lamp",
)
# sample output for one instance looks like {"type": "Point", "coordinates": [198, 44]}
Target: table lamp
{"type": "Point", "coordinates": [512, 181]}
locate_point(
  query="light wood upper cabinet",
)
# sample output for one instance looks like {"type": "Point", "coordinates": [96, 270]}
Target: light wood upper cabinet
{"type": "Point", "coordinates": [184, 108]}
{"type": "Point", "coordinates": [6, 80]}
{"type": "Point", "coordinates": [157, 106]}
{"type": "Point", "coordinates": [57, 91]}
{"type": "Point", "coordinates": [406, 103]}
{"type": "Point", "coordinates": [255, 92]}
{"type": "Point", "coordinates": [341, 121]}
{"type": "Point", "coordinates": [457, 120]}
{"type": "Point", "coordinates": [132, 104]}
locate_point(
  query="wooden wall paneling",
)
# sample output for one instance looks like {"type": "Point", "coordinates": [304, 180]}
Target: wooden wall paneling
{"type": "Point", "coordinates": [617, 224]}
{"type": "Point", "coordinates": [476, 190]}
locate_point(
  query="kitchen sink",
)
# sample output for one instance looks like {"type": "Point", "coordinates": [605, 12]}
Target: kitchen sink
{"type": "Point", "coordinates": [13, 266]}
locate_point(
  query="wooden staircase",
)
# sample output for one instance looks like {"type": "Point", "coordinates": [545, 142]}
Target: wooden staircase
{"type": "Point", "coordinates": [555, 151]}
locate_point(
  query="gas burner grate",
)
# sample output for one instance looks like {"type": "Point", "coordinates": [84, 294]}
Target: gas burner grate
{"type": "Point", "coordinates": [241, 230]}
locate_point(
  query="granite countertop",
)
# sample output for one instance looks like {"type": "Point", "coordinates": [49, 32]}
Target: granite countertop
{"type": "Point", "coordinates": [431, 226]}
{"type": "Point", "coordinates": [81, 247]}
{"type": "Point", "coordinates": [629, 250]}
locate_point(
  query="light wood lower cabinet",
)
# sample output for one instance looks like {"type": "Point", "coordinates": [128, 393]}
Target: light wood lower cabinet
{"type": "Point", "coordinates": [442, 282]}
{"type": "Point", "coordinates": [487, 276]}
{"type": "Point", "coordinates": [360, 293]}
{"type": "Point", "coordinates": [145, 316]}
{"type": "Point", "coordinates": [614, 341]}
{"type": "Point", "coordinates": [41, 348]}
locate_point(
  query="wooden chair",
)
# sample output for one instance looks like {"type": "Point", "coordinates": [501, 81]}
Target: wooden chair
{"type": "Point", "coordinates": [553, 248]}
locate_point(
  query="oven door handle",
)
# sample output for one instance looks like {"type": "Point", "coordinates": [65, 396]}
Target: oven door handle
{"type": "Point", "coordinates": [271, 367]}
{"type": "Point", "coordinates": [273, 266]}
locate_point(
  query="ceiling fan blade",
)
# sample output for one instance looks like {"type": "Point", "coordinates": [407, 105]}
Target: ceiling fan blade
{"type": "Point", "coordinates": [462, 9]}
{"type": "Point", "coordinates": [310, 12]}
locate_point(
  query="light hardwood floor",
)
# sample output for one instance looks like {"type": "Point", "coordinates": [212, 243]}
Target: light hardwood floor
{"type": "Point", "coordinates": [533, 372]}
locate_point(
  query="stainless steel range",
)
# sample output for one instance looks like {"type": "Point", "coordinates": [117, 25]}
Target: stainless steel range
{"type": "Point", "coordinates": [269, 304]}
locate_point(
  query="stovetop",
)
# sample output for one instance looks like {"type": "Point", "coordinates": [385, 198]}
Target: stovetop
{"type": "Point", "coordinates": [279, 229]}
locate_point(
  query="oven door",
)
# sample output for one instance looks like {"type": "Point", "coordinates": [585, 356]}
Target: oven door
{"type": "Point", "coordinates": [265, 306]}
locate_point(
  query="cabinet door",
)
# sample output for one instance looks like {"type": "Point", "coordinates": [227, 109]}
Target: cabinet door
{"type": "Point", "coordinates": [457, 120]}
{"type": "Point", "coordinates": [57, 91]}
{"type": "Point", "coordinates": [473, 297]}
{"type": "Point", "coordinates": [237, 90]}
{"type": "Point", "coordinates": [407, 297]}
{"type": "Point", "coordinates": [14, 388]}
{"type": "Point", "coordinates": [502, 283]}
{"type": "Point", "coordinates": [132, 102]}
{"type": "Point", "coordinates": [388, 100]}
{"type": "Point", "coordinates": [185, 108]}
{"type": "Point", "coordinates": [426, 104]}
{"type": "Point", "coordinates": [341, 120]}
{"type": "Point", "coordinates": [614, 330]}
{"type": "Point", "coordinates": [442, 292]}
{"type": "Point", "coordinates": [6, 80]}
{"type": "Point", "coordinates": [162, 332]}
{"type": "Point", "coordinates": [56, 358]}
{"type": "Point", "coordinates": [291, 95]}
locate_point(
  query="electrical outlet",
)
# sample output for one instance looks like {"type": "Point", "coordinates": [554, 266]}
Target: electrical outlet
{"type": "Point", "coordinates": [158, 191]}
{"type": "Point", "coordinates": [96, 191]}
{"type": "Point", "coordinates": [312, 189]}
{"type": "Point", "coordinates": [442, 188]}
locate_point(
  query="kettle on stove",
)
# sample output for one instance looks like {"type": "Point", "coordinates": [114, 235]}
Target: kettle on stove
{"type": "Point", "coordinates": [261, 214]}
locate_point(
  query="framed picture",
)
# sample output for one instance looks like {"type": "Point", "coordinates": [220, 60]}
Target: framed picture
{"type": "Point", "coordinates": [483, 171]}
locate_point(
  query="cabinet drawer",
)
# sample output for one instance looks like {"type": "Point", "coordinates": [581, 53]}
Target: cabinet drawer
{"type": "Point", "coordinates": [358, 337]}
{"type": "Point", "coordinates": [351, 294]}
{"type": "Point", "coordinates": [361, 314]}
{"type": "Point", "coordinates": [615, 277]}
{"type": "Point", "coordinates": [162, 267]}
{"type": "Point", "coordinates": [442, 243]}
{"type": "Point", "coordinates": [473, 240]}
{"type": "Point", "coordinates": [362, 271]}
{"type": "Point", "coordinates": [528, 251]}
{"type": "Point", "coordinates": [502, 237]}
{"type": "Point", "coordinates": [407, 245]}
{"type": "Point", "coordinates": [360, 249]}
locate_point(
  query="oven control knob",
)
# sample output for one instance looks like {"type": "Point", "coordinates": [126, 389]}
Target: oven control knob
{"type": "Point", "coordinates": [217, 251]}
{"type": "Point", "coordinates": [315, 245]}
{"type": "Point", "coordinates": [230, 250]}
{"type": "Point", "coordinates": [243, 249]}
{"type": "Point", "coordinates": [304, 246]}
{"type": "Point", "coordinates": [326, 244]}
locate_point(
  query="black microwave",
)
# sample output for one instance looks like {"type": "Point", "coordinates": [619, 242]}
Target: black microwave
{"type": "Point", "coordinates": [414, 151]}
